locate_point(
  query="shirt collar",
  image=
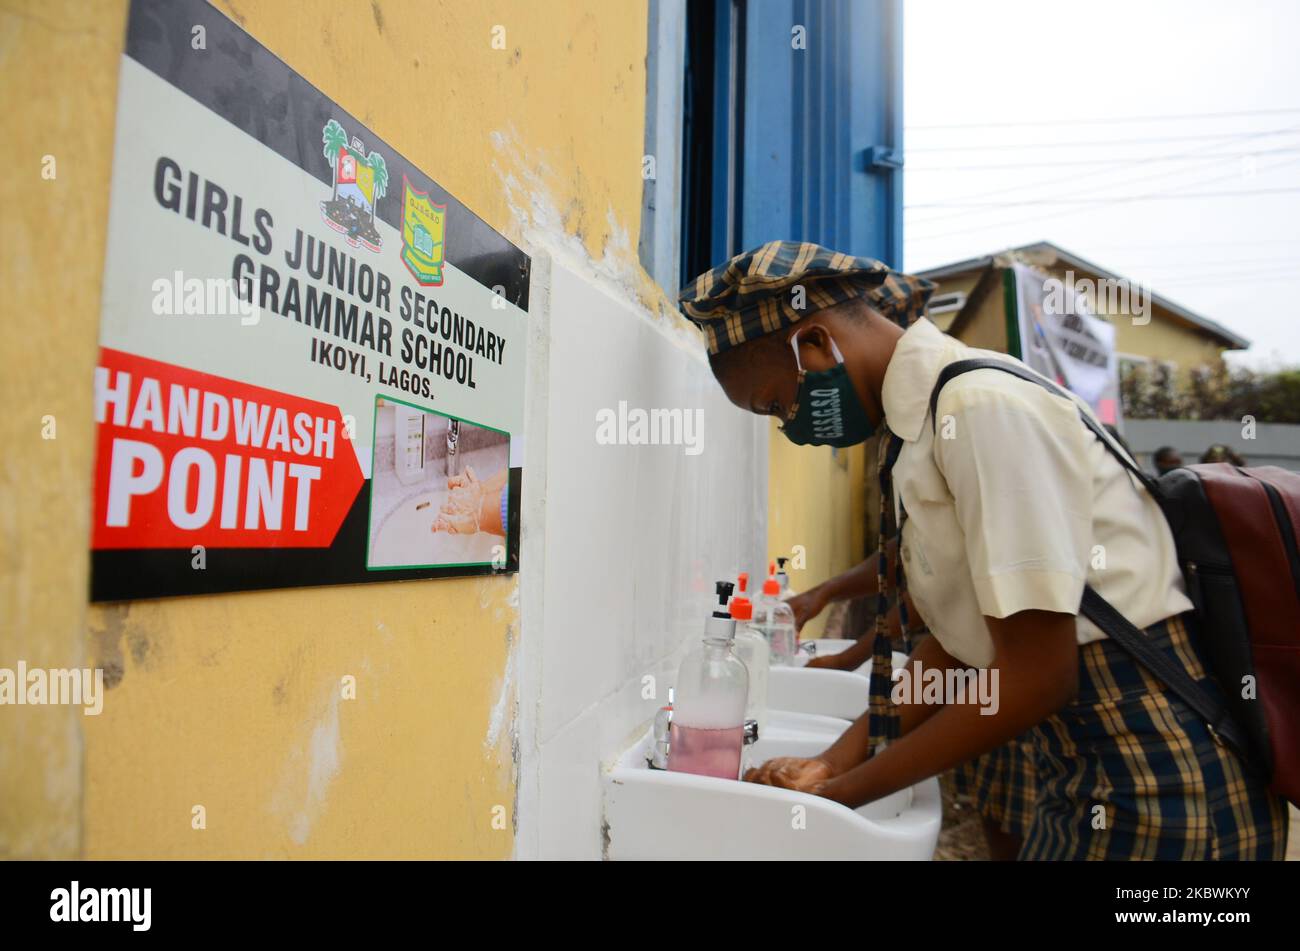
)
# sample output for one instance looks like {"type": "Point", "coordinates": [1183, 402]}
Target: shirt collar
{"type": "Point", "coordinates": [913, 370]}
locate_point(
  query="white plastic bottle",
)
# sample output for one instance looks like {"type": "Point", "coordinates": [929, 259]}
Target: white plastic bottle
{"type": "Point", "coordinates": [775, 621]}
{"type": "Point", "coordinates": [751, 647]}
{"type": "Point", "coordinates": [707, 736]}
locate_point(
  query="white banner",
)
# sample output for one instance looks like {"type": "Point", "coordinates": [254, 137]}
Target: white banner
{"type": "Point", "coordinates": [1062, 340]}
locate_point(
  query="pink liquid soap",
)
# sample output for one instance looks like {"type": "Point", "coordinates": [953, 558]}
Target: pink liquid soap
{"type": "Point", "coordinates": [706, 752]}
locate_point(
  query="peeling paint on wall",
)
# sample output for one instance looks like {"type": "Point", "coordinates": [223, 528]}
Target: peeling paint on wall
{"type": "Point", "coordinates": [541, 223]}
{"type": "Point", "coordinates": [504, 708]}
{"type": "Point", "coordinates": [308, 773]}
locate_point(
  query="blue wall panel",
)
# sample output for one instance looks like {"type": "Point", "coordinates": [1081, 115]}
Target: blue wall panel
{"type": "Point", "coordinates": [810, 152]}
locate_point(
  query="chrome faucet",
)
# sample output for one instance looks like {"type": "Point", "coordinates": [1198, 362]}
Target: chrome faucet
{"type": "Point", "coordinates": [453, 441]}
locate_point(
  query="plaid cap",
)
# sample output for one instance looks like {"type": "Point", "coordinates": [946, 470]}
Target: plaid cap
{"type": "Point", "coordinates": [782, 282]}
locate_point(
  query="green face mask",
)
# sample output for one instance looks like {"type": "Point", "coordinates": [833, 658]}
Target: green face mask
{"type": "Point", "coordinates": [826, 411]}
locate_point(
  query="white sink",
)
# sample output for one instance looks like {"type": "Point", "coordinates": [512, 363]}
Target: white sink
{"type": "Point", "coordinates": [837, 645]}
{"type": "Point", "coordinates": [784, 726]}
{"type": "Point", "coordinates": [830, 693]}
{"type": "Point", "coordinates": [829, 645]}
{"type": "Point", "coordinates": [655, 814]}
{"type": "Point", "coordinates": [783, 722]}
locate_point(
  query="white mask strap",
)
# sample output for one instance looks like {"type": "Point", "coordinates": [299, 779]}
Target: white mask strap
{"type": "Point", "coordinates": [794, 345]}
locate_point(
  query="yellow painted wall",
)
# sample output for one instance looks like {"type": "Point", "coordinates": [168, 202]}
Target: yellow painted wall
{"type": "Point", "coordinates": [959, 283]}
{"type": "Point", "coordinates": [1165, 339]}
{"type": "Point", "coordinates": [816, 499]}
{"type": "Point", "coordinates": [231, 702]}
{"type": "Point", "coordinates": [984, 322]}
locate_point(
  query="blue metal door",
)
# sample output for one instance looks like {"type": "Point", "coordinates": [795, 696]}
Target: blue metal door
{"type": "Point", "coordinates": [802, 130]}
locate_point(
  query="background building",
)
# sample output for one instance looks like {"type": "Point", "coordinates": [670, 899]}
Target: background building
{"type": "Point", "coordinates": [975, 301]}
{"type": "Point", "coordinates": [970, 302]}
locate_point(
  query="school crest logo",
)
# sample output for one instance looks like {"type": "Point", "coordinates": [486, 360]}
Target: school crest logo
{"type": "Point", "coordinates": [360, 180]}
{"type": "Point", "coordinates": [423, 224]}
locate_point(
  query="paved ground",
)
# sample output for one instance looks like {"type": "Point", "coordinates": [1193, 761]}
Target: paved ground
{"type": "Point", "coordinates": [961, 838]}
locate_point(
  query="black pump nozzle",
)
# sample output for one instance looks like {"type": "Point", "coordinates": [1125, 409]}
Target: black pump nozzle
{"type": "Point", "coordinates": [721, 626]}
{"type": "Point", "coordinates": [724, 589]}
{"type": "Point", "coordinates": [780, 563]}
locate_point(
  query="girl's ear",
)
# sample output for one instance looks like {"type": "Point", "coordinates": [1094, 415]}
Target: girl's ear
{"type": "Point", "coordinates": [815, 346]}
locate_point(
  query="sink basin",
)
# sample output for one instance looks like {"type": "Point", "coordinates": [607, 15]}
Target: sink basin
{"type": "Point", "coordinates": [831, 693]}
{"type": "Point", "coordinates": [655, 814]}
{"type": "Point", "coordinates": [830, 645]}
{"type": "Point", "coordinates": [836, 645]}
{"type": "Point", "coordinates": [785, 726]}
{"type": "Point", "coordinates": [782, 722]}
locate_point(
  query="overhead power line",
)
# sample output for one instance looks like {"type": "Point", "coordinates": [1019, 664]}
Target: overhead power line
{"type": "Point", "coordinates": [1110, 200]}
{"type": "Point", "coordinates": [1211, 157]}
{"type": "Point", "coordinates": [1143, 160]}
{"type": "Point", "coordinates": [1107, 120]}
{"type": "Point", "coordinates": [1099, 204]}
{"type": "Point", "coordinates": [1082, 143]}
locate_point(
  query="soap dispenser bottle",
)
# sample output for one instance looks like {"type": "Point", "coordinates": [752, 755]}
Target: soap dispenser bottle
{"type": "Point", "coordinates": [775, 620]}
{"type": "Point", "coordinates": [708, 725]}
{"type": "Point", "coordinates": [408, 444]}
{"type": "Point", "coordinates": [751, 647]}
{"type": "Point", "coordinates": [783, 578]}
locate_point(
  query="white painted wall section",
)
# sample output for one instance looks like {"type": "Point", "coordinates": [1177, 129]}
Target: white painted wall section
{"type": "Point", "coordinates": [621, 543]}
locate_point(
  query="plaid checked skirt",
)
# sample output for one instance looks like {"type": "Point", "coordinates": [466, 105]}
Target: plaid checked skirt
{"type": "Point", "coordinates": [1001, 785]}
{"type": "Point", "coordinates": [1128, 771]}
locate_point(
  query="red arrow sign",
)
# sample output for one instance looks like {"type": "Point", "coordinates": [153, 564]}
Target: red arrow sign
{"type": "Point", "coordinates": [187, 458]}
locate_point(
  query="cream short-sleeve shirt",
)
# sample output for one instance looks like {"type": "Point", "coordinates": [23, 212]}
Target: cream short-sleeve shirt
{"type": "Point", "coordinates": [1012, 504]}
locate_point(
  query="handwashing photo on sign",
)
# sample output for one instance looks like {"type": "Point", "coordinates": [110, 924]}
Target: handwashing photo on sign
{"type": "Point", "coordinates": [438, 490]}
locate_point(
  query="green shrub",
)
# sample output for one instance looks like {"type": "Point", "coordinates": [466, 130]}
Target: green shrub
{"type": "Point", "coordinates": [1155, 391]}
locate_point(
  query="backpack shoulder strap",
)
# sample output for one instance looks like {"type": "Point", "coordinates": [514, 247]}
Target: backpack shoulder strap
{"type": "Point", "coordinates": [1134, 641]}
{"type": "Point", "coordinates": [1093, 606]}
{"type": "Point", "coordinates": [987, 363]}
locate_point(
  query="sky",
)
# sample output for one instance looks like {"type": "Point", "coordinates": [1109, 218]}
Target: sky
{"type": "Point", "coordinates": [1157, 139]}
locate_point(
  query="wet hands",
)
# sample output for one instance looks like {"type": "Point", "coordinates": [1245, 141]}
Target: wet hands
{"type": "Point", "coordinates": [459, 512]}
{"type": "Point", "coordinates": [792, 772]}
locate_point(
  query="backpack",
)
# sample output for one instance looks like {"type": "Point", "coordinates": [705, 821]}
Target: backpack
{"type": "Point", "coordinates": [1235, 531]}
